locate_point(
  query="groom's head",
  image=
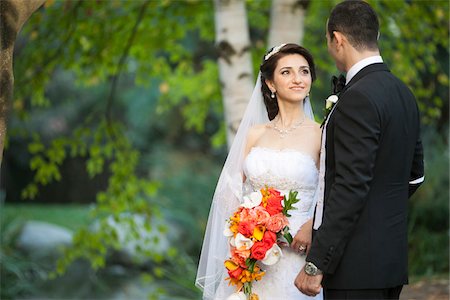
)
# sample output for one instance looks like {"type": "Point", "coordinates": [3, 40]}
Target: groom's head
{"type": "Point", "coordinates": [358, 22]}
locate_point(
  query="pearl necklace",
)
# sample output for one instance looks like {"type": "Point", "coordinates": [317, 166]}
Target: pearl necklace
{"type": "Point", "coordinates": [284, 132]}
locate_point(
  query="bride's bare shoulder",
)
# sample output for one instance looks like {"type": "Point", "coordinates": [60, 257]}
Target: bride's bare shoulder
{"type": "Point", "coordinates": [315, 127]}
{"type": "Point", "coordinates": [258, 129]}
{"type": "Point", "coordinates": [255, 133]}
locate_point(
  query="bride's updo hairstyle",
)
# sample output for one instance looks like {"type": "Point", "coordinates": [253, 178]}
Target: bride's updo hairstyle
{"type": "Point", "coordinates": [267, 68]}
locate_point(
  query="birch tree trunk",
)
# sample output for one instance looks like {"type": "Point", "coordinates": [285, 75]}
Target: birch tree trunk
{"type": "Point", "coordinates": [235, 63]}
{"type": "Point", "coordinates": [287, 21]}
{"type": "Point", "coordinates": [13, 14]}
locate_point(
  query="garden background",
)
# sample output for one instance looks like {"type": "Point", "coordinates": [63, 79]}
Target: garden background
{"type": "Point", "coordinates": [117, 131]}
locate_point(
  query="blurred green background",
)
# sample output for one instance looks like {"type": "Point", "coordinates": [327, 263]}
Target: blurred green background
{"type": "Point", "coordinates": [116, 133]}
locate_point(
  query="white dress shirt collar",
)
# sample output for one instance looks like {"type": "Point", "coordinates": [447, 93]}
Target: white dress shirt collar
{"type": "Point", "coordinates": [361, 64]}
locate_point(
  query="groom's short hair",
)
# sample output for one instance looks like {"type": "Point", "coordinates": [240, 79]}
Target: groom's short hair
{"type": "Point", "coordinates": [357, 21]}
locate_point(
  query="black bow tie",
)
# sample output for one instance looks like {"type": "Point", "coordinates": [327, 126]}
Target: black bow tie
{"type": "Point", "coordinates": [338, 83]}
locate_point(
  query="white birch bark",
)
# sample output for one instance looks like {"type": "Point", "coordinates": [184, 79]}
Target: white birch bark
{"type": "Point", "coordinates": [235, 63]}
{"type": "Point", "coordinates": [13, 14]}
{"type": "Point", "coordinates": [287, 22]}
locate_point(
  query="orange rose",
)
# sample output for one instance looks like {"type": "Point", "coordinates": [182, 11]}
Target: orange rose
{"type": "Point", "coordinates": [246, 228]}
{"type": "Point", "coordinates": [277, 222]}
{"type": "Point", "coordinates": [261, 216]}
{"type": "Point", "coordinates": [247, 214]}
{"type": "Point", "coordinates": [240, 256]}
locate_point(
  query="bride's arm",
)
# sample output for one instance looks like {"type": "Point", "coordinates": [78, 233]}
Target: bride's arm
{"type": "Point", "coordinates": [303, 236]}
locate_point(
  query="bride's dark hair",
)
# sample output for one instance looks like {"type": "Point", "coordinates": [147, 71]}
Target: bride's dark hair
{"type": "Point", "coordinates": [267, 68]}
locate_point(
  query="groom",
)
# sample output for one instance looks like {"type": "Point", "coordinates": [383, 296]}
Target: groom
{"type": "Point", "coordinates": [373, 164]}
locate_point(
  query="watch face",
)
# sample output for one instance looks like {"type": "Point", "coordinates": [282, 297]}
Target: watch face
{"type": "Point", "coordinates": [310, 269]}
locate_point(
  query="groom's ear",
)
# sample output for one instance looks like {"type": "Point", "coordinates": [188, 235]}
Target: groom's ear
{"type": "Point", "coordinates": [339, 38]}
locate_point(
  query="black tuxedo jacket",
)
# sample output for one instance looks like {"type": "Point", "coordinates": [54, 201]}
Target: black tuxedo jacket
{"type": "Point", "coordinates": [373, 151]}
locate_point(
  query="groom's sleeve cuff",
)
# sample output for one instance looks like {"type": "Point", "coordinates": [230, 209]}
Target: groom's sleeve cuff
{"type": "Point", "coordinates": [414, 185]}
{"type": "Point", "coordinates": [418, 180]}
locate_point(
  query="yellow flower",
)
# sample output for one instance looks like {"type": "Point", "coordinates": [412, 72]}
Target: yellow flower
{"type": "Point", "coordinates": [235, 218]}
{"type": "Point", "coordinates": [236, 282]}
{"type": "Point", "coordinates": [234, 228]}
{"type": "Point", "coordinates": [259, 275]}
{"type": "Point", "coordinates": [231, 265]}
{"type": "Point", "coordinates": [265, 194]}
{"type": "Point", "coordinates": [253, 296]}
{"type": "Point", "coordinates": [258, 232]}
{"type": "Point", "coordinates": [246, 276]}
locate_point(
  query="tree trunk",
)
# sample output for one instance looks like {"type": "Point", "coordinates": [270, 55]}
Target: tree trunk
{"type": "Point", "coordinates": [287, 21]}
{"type": "Point", "coordinates": [13, 14]}
{"type": "Point", "coordinates": [235, 63]}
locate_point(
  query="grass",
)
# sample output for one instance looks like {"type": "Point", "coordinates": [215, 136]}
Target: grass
{"type": "Point", "coordinates": [71, 216]}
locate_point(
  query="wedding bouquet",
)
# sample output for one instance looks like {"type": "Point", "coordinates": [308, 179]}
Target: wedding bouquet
{"type": "Point", "coordinates": [255, 231]}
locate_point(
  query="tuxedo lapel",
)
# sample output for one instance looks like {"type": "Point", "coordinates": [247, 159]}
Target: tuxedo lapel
{"type": "Point", "coordinates": [363, 72]}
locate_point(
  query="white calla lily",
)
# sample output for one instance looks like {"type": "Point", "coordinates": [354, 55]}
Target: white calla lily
{"type": "Point", "coordinates": [232, 241]}
{"type": "Point", "coordinates": [273, 255]}
{"type": "Point", "coordinates": [242, 242]}
{"type": "Point", "coordinates": [252, 200]}
{"type": "Point", "coordinates": [227, 231]}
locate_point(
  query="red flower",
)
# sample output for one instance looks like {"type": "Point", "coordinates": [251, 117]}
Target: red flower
{"type": "Point", "coordinates": [236, 273]}
{"type": "Point", "coordinates": [274, 199]}
{"type": "Point", "coordinates": [274, 205]}
{"type": "Point", "coordinates": [269, 238]}
{"type": "Point", "coordinates": [275, 193]}
{"type": "Point", "coordinates": [246, 228]}
{"type": "Point", "coordinates": [259, 250]}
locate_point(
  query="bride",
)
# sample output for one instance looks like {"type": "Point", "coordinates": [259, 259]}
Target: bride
{"type": "Point", "coordinates": [277, 145]}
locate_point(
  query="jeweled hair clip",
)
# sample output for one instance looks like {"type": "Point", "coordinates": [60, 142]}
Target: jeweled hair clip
{"type": "Point", "coordinates": [275, 50]}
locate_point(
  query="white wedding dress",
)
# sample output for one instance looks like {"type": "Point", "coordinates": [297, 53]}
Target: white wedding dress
{"type": "Point", "coordinates": [283, 170]}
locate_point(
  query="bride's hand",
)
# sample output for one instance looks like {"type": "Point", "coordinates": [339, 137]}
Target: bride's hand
{"type": "Point", "coordinates": [302, 239]}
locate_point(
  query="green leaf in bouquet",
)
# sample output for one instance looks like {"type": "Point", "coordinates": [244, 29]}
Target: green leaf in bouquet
{"type": "Point", "coordinates": [289, 202]}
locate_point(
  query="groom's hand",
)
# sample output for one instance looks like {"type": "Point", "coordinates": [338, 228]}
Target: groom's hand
{"type": "Point", "coordinates": [308, 285]}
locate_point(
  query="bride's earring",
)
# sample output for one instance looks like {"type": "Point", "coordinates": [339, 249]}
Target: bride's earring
{"type": "Point", "coordinates": [272, 95]}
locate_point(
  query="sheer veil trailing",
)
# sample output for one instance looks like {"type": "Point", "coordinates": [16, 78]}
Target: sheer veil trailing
{"type": "Point", "coordinates": [211, 272]}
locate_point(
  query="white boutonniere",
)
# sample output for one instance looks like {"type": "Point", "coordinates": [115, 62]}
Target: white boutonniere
{"type": "Point", "coordinates": [330, 102]}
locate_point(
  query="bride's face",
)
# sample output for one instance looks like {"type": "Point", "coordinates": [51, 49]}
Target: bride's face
{"type": "Point", "coordinates": [292, 78]}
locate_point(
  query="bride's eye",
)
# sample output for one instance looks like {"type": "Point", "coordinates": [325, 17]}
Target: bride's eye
{"type": "Point", "coordinates": [305, 71]}
{"type": "Point", "coordinates": [284, 72]}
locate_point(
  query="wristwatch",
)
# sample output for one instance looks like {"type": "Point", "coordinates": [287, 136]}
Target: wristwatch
{"type": "Point", "coordinates": [311, 269]}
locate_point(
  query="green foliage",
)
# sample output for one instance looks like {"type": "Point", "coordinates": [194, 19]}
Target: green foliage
{"type": "Point", "coordinates": [414, 41]}
{"type": "Point", "coordinates": [167, 41]}
{"type": "Point", "coordinates": [428, 217]}
{"type": "Point", "coordinates": [19, 274]}
{"type": "Point", "coordinates": [125, 196]}
{"type": "Point", "coordinates": [288, 202]}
